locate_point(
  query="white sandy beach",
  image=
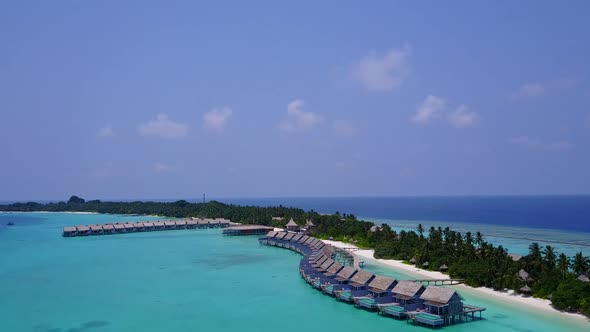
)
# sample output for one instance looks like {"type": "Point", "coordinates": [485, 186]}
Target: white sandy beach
{"type": "Point", "coordinates": [540, 304]}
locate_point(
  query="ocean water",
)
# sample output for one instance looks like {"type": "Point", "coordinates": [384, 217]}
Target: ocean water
{"type": "Point", "coordinates": [185, 280]}
{"type": "Point", "coordinates": [512, 221]}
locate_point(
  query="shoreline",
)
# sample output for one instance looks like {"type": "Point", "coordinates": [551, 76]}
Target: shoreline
{"type": "Point", "coordinates": [509, 296]}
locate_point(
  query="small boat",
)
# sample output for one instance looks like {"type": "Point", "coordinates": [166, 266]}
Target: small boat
{"type": "Point", "coordinates": [10, 223]}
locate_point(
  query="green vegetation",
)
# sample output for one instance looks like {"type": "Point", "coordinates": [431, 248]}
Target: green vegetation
{"type": "Point", "coordinates": [468, 256]}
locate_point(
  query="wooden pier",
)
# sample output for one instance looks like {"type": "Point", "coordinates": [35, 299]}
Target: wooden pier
{"type": "Point", "coordinates": [247, 230]}
{"type": "Point", "coordinates": [148, 226]}
{"type": "Point", "coordinates": [440, 282]}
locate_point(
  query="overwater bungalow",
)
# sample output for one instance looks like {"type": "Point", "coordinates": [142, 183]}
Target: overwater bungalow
{"type": "Point", "coordinates": [70, 231]}
{"type": "Point", "coordinates": [169, 225]}
{"type": "Point", "coordinates": [443, 302]}
{"type": "Point", "coordinates": [180, 224]}
{"type": "Point", "coordinates": [321, 278]}
{"type": "Point", "coordinates": [280, 235]}
{"type": "Point", "coordinates": [342, 277]}
{"type": "Point", "coordinates": [95, 229]}
{"type": "Point", "coordinates": [407, 294]}
{"type": "Point", "coordinates": [303, 239]}
{"type": "Point", "coordinates": [379, 292]}
{"type": "Point", "coordinates": [288, 237]}
{"type": "Point", "coordinates": [355, 287]}
{"type": "Point", "coordinates": [145, 226]}
{"type": "Point", "coordinates": [296, 238]}
{"type": "Point", "coordinates": [119, 228]}
{"type": "Point", "coordinates": [129, 227]}
{"type": "Point", "coordinates": [191, 224]}
{"type": "Point", "coordinates": [108, 229]}
{"type": "Point", "coordinates": [159, 225]}
{"type": "Point", "coordinates": [82, 230]}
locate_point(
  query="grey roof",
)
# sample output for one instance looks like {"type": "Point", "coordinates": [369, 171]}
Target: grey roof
{"type": "Point", "coordinates": [191, 222]}
{"type": "Point", "coordinates": [326, 264]}
{"type": "Point", "coordinates": [82, 228]}
{"type": "Point", "coordinates": [296, 238]}
{"type": "Point", "coordinates": [361, 277]}
{"type": "Point", "coordinates": [444, 267]}
{"type": "Point", "coordinates": [303, 239]}
{"type": "Point", "coordinates": [346, 272]}
{"type": "Point", "coordinates": [146, 224]}
{"type": "Point", "coordinates": [334, 268]}
{"type": "Point", "coordinates": [158, 223]}
{"type": "Point", "coordinates": [515, 257]}
{"type": "Point", "coordinates": [321, 260]}
{"type": "Point", "coordinates": [180, 222]}
{"type": "Point", "coordinates": [407, 288]}
{"type": "Point", "coordinates": [382, 283]}
{"type": "Point", "coordinates": [522, 274]}
{"type": "Point", "coordinates": [119, 226]}
{"type": "Point", "coordinates": [309, 240]}
{"type": "Point", "coordinates": [95, 227]}
{"type": "Point", "coordinates": [169, 223]}
{"type": "Point", "coordinates": [291, 223]}
{"type": "Point", "coordinates": [69, 229]}
{"type": "Point", "coordinates": [583, 278]}
{"type": "Point", "coordinates": [314, 242]}
{"type": "Point", "coordinates": [271, 234]}
{"type": "Point", "coordinates": [108, 226]}
{"type": "Point", "coordinates": [289, 236]}
{"type": "Point", "coordinates": [308, 223]}
{"type": "Point", "coordinates": [437, 294]}
{"type": "Point", "coordinates": [425, 264]}
{"type": "Point", "coordinates": [280, 235]}
{"type": "Point", "coordinates": [412, 260]}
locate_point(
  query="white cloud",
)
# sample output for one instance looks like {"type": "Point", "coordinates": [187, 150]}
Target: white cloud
{"type": "Point", "coordinates": [382, 72]}
{"type": "Point", "coordinates": [428, 109]}
{"type": "Point", "coordinates": [162, 126]}
{"type": "Point", "coordinates": [525, 141]}
{"type": "Point", "coordinates": [217, 118]}
{"type": "Point", "coordinates": [106, 131]}
{"type": "Point", "coordinates": [462, 118]}
{"type": "Point", "coordinates": [298, 120]}
{"type": "Point", "coordinates": [559, 146]}
{"type": "Point", "coordinates": [530, 90]}
{"type": "Point", "coordinates": [533, 143]}
{"type": "Point", "coordinates": [160, 167]}
{"type": "Point", "coordinates": [344, 128]}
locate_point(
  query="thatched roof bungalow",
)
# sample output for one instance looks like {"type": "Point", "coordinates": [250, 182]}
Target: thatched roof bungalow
{"type": "Point", "coordinates": [442, 301]}
{"type": "Point", "coordinates": [292, 226]}
{"type": "Point", "coordinates": [407, 292]}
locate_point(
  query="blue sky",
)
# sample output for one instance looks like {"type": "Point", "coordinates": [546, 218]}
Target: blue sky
{"type": "Point", "coordinates": [142, 99]}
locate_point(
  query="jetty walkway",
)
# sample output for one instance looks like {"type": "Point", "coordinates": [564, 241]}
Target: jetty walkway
{"type": "Point", "coordinates": [416, 301]}
{"type": "Point", "coordinates": [145, 226]}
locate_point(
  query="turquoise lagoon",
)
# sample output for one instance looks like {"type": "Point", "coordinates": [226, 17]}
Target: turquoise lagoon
{"type": "Point", "coordinates": [186, 280]}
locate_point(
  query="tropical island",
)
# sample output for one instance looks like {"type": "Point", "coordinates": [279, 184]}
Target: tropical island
{"type": "Point", "coordinates": [543, 273]}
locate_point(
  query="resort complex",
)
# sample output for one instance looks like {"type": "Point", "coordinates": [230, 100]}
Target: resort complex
{"type": "Point", "coordinates": [327, 269]}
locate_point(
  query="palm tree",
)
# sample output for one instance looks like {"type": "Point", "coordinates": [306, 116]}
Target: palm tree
{"type": "Point", "coordinates": [563, 263]}
{"type": "Point", "coordinates": [478, 238]}
{"type": "Point", "coordinates": [581, 264]}
{"type": "Point", "coordinates": [420, 229]}
{"type": "Point", "coordinates": [535, 251]}
{"type": "Point", "coordinates": [468, 238]}
{"type": "Point", "coordinates": [550, 257]}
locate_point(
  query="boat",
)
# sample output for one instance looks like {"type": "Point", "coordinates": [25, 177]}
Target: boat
{"type": "Point", "coordinates": [10, 223]}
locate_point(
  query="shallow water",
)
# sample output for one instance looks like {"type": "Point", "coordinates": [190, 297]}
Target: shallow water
{"type": "Point", "coordinates": [183, 280]}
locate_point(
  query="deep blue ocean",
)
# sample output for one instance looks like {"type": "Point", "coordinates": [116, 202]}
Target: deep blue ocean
{"type": "Point", "coordinates": [568, 213]}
